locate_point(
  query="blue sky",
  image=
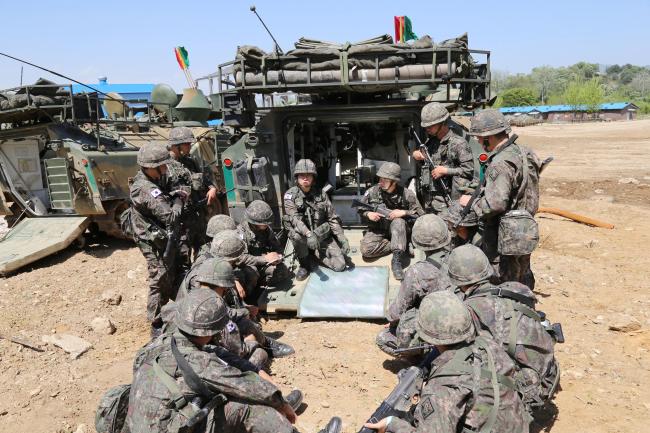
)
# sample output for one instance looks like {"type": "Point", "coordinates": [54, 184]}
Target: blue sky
{"type": "Point", "coordinates": [133, 41]}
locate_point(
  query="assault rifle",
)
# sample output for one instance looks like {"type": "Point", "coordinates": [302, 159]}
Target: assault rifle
{"type": "Point", "coordinates": [405, 394]}
{"type": "Point", "coordinates": [425, 151]}
{"type": "Point", "coordinates": [381, 209]}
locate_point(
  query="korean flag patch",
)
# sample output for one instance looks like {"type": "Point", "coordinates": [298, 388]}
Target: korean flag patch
{"type": "Point", "coordinates": [427, 408]}
{"type": "Point", "coordinates": [155, 192]}
{"type": "Point", "coordinates": [287, 196]}
{"type": "Point", "coordinates": [230, 326]}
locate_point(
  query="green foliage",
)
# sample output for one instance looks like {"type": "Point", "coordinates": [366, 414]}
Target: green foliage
{"type": "Point", "coordinates": [587, 94]}
{"type": "Point", "coordinates": [518, 96]}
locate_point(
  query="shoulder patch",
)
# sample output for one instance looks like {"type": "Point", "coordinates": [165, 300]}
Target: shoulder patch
{"type": "Point", "coordinates": [288, 195]}
{"type": "Point", "coordinates": [427, 408]}
{"type": "Point", "coordinates": [365, 194]}
{"type": "Point", "coordinates": [155, 192]}
{"type": "Point", "coordinates": [230, 326]}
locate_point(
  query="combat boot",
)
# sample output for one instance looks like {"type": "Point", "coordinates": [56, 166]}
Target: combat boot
{"type": "Point", "coordinates": [396, 265]}
{"type": "Point", "coordinates": [333, 426]}
{"type": "Point", "coordinates": [304, 269]}
{"type": "Point", "coordinates": [277, 349]}
{"type": "Point", "coordinates": [294, 398]}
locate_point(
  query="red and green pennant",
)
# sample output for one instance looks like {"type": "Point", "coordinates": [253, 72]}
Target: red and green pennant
{"type": "Point", "coordinates": [404, 29]}
{"type": "Point", "coordinates": [182, 57]}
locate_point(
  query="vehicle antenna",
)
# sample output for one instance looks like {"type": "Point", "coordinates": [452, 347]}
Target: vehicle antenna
{"type": "Point", "coordinates": [59, 75]}
{"type": "Point", "coordinates": [21, 74]}
{"type": "Point", "coordinates": [277, 46]}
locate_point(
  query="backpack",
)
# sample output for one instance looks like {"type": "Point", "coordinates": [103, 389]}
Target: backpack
{"type": "Point", "coordinates": [111, 413]}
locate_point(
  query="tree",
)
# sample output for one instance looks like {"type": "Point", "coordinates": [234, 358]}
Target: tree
{"type": "Point", "coordinates": [641, 83]}
{"type": "Point", "coordinates": [518, 97]}
{"type": "Point", "coordinates": [584, 95]}
{"type": "Point", "coordinates": [545, 79]}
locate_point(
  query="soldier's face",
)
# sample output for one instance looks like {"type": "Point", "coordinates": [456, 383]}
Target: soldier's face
{"type": "Point", "coordinates": [305, 181]}
{"type": "Point", "coordinates": [259, 228]}
{"type": "Point", "coordinates": [175, 152]}
{"type": "Point", "coordinates": [387, 185]}
{"type": "Point", "coordinates": [433, 129]}
{"type": "Point", "coordinates": [185, 148]}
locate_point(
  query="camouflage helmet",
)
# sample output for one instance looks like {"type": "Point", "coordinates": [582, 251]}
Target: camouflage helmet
{"type": "Point", "coordinates": [443, 319]}
{"type": "Point", "coordinates": [430, 233]}
{"type": "Point", "coordinates": [259, 212]}
{"type": "Point", "coordinates": [152, 155]}
{"type": "Point", "coordinates": [467, 265]}
{"type": "Point", "coordinates": [216, 272]}
{"type": "Point", "coordinates": [304, 166]}
{"type": "Point", "coordinates": [489, 122]}
{"type": "Point", "coordinates": [227, 245]}
{"type": "Point", "coordinates": [180, 135]}
{"type": "Point", "coordinates": [219, 223]}
{"type": "Point", "coordinates": [202, 313]}
{"type": "Point", "coordinates": [390, 170]}
{"type": "Point", "coordinates": [432, 114]}
{"type": "Point", "coordinates": [452, 215]}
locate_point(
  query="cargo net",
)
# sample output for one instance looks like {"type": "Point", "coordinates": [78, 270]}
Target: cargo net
{"type": "Point", "coordinates": [369, 65]}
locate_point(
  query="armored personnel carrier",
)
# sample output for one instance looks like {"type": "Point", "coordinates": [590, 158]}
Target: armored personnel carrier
{"type": "Point", "coordinates": [348, 107]}
{"type": "Point", "coordinates": [66, 159]}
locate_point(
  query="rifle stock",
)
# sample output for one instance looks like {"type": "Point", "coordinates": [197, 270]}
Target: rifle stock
{"type": "Point", "coordinates": [382, 210]}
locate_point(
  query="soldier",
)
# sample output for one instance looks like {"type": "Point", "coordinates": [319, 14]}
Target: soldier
{"type": "Point", "coordinates": [470, 385]}
{"type": "Point", "coordinates": [313, 226]}
{"type": "Point", "coordinates": [204, 189]}
{"type": "Point", "coordinates": [508, 313]}
{"type": "Point", "coordinates": [430, 234]}
{"type": "Point", "coordinates": [507, 199]}
{"type": "Point", "coordinates": [454, 163]}
{"type": "Point", "coordinates": [264, 252]}
{"type": "Point", "coordinates": [154, 212]}
{"type": "Point", "coordinates": [174, 376]}
{"type": "Point", "coordinates": [389, 234]}
{"type": "Point", "coordinates": [463, 230]}
{"type": "Point", "coordinates": [216, 224]}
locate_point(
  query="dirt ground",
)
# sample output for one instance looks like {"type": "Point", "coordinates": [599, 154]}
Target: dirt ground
{"type": "Point", "coordinates": [587, 278]}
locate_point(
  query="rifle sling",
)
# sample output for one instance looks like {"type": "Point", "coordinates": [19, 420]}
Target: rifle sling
{"type": "Point", "coordinates": [192, 380]}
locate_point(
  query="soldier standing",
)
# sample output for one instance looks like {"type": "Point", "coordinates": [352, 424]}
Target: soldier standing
{"type": "Point", "coordinates": [204, 189]}
{"type": "Point", "coordinates": [452, 157]}
{"type": "Point", "coordinates": [264, 251]}
{"type": "Point", "coordinates": [470, 386]}
{"type": "Point", "coordinates": [430, 234]}
{"type": "Point", "coordinates": [508, 313]}
{"type": "Point", "coordinates": [313, 226]}
{"type": "Point", "coordinates": [507, 199]}
{"type": "Point", "coordinates": [154, 213]}
{"type": "Point", "coordinates": [389, 234]}
{"type": "Point", "coordinates": [174, 377]}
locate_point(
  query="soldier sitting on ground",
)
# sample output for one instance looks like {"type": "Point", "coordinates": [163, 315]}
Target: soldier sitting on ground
{"type": "Point", "coordinates": [174, 371]}
{"type": "Point", "coordinates": [314, 228]}
{"type": "Point", "coordinates": [470, 386]}
{"type": "Point", "coordinates": [155, 211]}
{"type": "Point", "coordinates": [507, 313]}
{"type": "Point", "coordinates": [389, 234]}
{"type": "Point", "coordinates": [264, 252]}
{"type": "Point", "coordinates": [227, 246]}
{"type": "Point", "coordinates": [430, 234]}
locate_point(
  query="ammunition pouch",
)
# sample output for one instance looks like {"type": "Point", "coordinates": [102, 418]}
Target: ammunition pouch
{"type": "Point", "coordinates": [322, 232]}
{"type": "Point", "coordinates": [518, 233]}
{"type": "Point", "coordinates": [147, 231]}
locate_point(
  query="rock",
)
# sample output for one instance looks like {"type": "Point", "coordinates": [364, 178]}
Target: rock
{"type": "Point", "coordinates": [599, 191]}
{"type": "Point", "coordinates": [111, 297]}
{"type": "Point", "coordinates": [35, 392]}
{"type": "Point", "coordinates": [624, 323]}
{"type": "Point", "coordinates": [131, 274]}
{"type": "Point", "coordinates": [82, 428]}
{"type": "Point", "coordinates": [552, 190]}
{"type": "Point", "coordinates": [325, 404]}
{"type": "Point", "coordinates": [574, 374]}
{"type": "Point", "coordinates": [628, 180]}
{"type": "Point", "coordinates": [73, 345]}
{"type": "Point", "coordinates": [103, 325]}
{"type": "Point", "coordinates": [598, 320]}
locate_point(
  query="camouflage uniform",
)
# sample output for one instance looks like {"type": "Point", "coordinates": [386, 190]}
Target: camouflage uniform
{"type": "Point", "coordinates": [421, 278]}
{"type": "Point", "coordinates": [296, 206]}
{"type": "Point", "coordinates": [153, 211]}
{"type": "Point", "coordinates": [507, 313]}
{"type": "Point", "coordinates": [258, 243]}
{"type": "Point", "coordinates": [504, 176]}
{"type": "Point", "coordinates": [386, 236]}
{"type": "Point", "coordinates": [470, 386]}
{"type": "Point", "coordinates": [452, 215]}
{"type": "Point", "coordinates": [454, 153]}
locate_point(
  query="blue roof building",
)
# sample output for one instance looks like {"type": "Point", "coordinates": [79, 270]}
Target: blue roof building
{"type": "Point", "coordinates": [127, 91]}
{"type": "Point", "coordinates": [558, 113]}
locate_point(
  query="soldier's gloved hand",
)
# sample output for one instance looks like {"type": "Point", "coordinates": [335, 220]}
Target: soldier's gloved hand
{"type": "Point", "coordinates": [345, 245]}
{"type": "Point", "coordinates": [312, 242]}
{"type": "Point", "coordinates": [177, 209]}
{"type": "Point", "coordinates": [180, 194]}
